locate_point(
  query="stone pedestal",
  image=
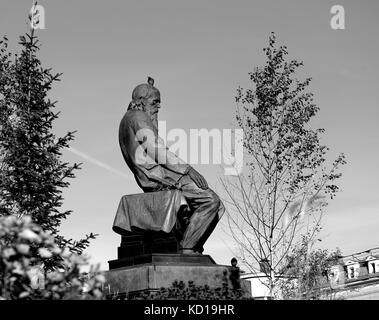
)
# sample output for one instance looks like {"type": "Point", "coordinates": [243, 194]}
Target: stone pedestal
{"type": "Point", "coordinates": [139, 243]}
{"type": "Point", "coordinates": [148, 261]}
{"type": "Point", "coordinates": [162, 259]}
{"type": "Point", "coordinates": [160, 270]}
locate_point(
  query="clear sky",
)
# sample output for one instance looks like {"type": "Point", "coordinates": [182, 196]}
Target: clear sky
{"type": "Point", "coordinates": [199, 52]}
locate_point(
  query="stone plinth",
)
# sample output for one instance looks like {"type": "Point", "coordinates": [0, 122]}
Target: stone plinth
{"type": "Point", "coordinates": [161, 270]}
{"type": "Point", "coordinates": [140, 243]}
{"type": "Point", "coordinates": [162, 259]}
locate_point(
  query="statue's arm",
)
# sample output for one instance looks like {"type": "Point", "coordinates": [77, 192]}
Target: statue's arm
{"type": "Point", "coordinates": [154, 146]}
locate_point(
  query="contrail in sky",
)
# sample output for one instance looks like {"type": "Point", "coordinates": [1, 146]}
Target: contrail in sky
{"type": "Point", "coordinates": [99, 163]}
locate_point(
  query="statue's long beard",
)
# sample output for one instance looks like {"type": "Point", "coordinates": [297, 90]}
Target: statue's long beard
{"type": "Point", "coordinates": [154, 119]}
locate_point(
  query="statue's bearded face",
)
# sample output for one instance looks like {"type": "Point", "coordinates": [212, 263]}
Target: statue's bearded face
{"type": "Point", "coordinates": [153, 103]}
{"type": "Point", "coordinates": [146, 97]}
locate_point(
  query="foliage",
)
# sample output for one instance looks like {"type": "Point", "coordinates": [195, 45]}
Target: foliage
{"type": "Point", "coordinates": [25, 251]}
{"type": "Point", "coordinates": [32, 173]}
{"type": "Point", "coordinates": [36, 262]}
{"type": "Point", "coordinates": [307, 272]}
{"type": "Point", "coordinates": [283, 191]}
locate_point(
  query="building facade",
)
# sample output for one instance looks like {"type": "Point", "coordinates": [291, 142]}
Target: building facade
{"type": "Point", "coordinates": [356, 276]}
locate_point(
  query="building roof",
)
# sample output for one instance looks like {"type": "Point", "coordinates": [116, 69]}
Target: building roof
{"type": "Point", "coordinates": [370, 254]}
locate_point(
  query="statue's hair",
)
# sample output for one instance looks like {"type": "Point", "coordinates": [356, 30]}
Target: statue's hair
{"type": "Point", "coordinates": [135, 106]}
{"type": "Point", "coordinates": [140, 94]}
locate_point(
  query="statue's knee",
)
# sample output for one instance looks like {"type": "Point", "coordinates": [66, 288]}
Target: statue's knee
{"type": "Point", "coordinates": [215, 200]}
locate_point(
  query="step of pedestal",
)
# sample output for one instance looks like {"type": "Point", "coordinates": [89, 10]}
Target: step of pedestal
{"type": "Point", "coordinates": [162, 259]}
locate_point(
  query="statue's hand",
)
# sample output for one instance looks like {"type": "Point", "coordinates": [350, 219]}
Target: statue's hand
{"type": "Point", "coordinates": [198, 179]}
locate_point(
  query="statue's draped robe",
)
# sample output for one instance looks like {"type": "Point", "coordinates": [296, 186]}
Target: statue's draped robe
{"type": "Point", "coordinates": [154, 211]}
{"type": "Point", "coordinates": [153, 165]}
{"type": "Point", "coordinates": [155, 168]}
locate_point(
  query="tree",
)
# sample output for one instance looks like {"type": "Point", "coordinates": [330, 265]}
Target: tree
{"type": "Point", "coordinates": [32, 176]}
{"type": "Point", "coordinates": [283, 190]}
{"type": "Point", "coordinates": [307, 272]}
{"type": "Point", "coordinates": [32, 173]}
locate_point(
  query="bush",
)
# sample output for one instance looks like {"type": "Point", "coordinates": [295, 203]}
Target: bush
{"type": "Point", "coordinates": [34, 266]}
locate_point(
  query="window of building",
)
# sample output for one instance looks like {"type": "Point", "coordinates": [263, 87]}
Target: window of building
{"type": "Point", "coordinates": [351, 273]}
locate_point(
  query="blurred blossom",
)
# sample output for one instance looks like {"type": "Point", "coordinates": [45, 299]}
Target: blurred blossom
{"type": "Point", "coordinates": [27, 220]}
{"type": "Point", "coordinates": [9, 221]}
{"type": "Point", "coordinates": [23, 248]}
{"type": "Point", "coordinates": [28, 234]}
{"type": "Point", "coordinates": [55, 276]}
{"type": "Point", "coordinates": [44, 253]}
{"type": "Point", "coordinates": [8, 252]}
{"type": "Point", "coordinates": [56, 250]}
{"type": "Point", "coordinates": [23, 265]}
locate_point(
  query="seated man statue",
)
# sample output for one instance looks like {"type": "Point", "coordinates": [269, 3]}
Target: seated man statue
{"type": "Point", "coordinates": [155, 168]}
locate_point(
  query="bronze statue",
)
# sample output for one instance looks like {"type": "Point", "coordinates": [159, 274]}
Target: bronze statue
{"type": "Point", "coordinates": [164, 170]}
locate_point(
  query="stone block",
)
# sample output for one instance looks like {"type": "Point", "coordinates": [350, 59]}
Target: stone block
{"type": "Point", "coordinates": [161, 270]}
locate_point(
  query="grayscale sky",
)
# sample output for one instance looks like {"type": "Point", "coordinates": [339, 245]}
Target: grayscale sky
{"type": "Point", "coordinates": [199, 52]}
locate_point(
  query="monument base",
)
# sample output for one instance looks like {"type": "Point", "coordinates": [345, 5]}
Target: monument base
{"type": "Point", "coordinates": [161, 259]}
{"type": "Point", "coordinates": [161, 270]}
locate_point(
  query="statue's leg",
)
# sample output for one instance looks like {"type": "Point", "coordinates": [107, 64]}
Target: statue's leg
{"type": "Point", "coordinates": [207, 209]}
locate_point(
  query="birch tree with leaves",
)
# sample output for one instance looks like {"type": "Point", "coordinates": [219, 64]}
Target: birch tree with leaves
{"type": "Point", "coordinates": [281, 195]}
